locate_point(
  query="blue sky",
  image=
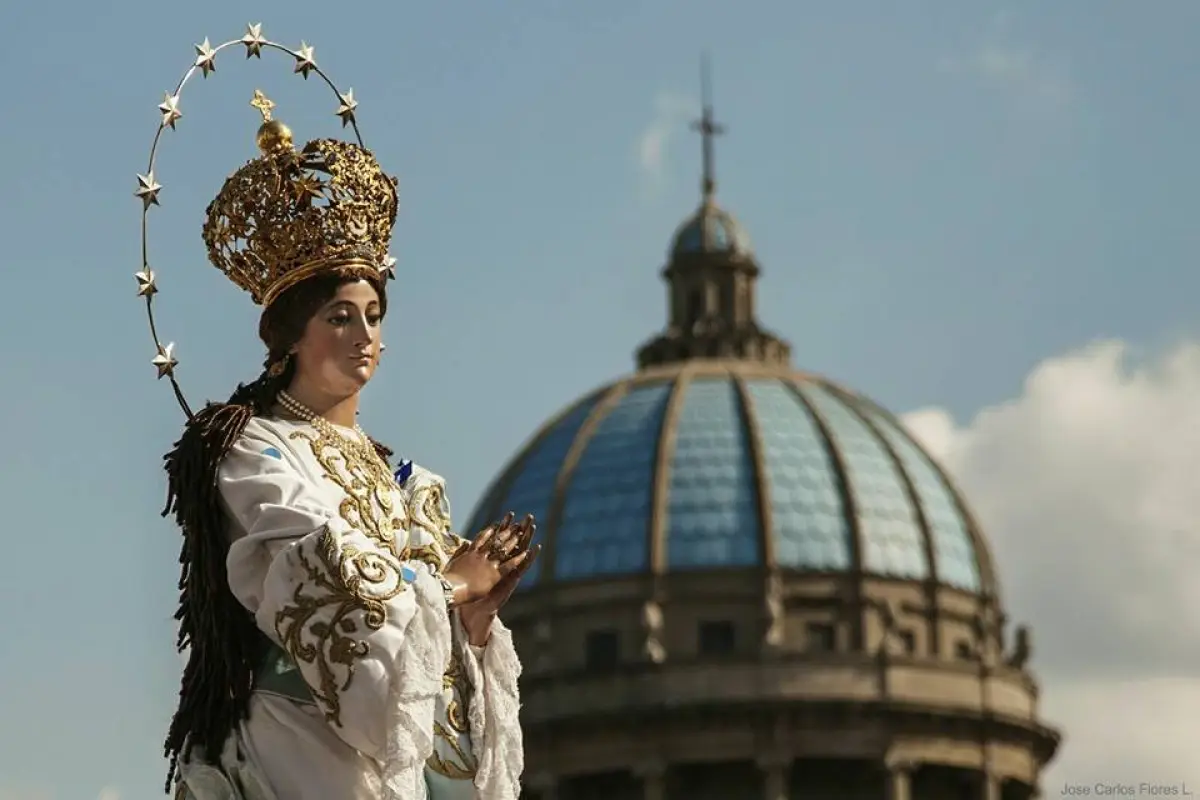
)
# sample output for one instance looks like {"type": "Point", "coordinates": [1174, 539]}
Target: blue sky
{"type": "Point", "coordinates": [942, 195]}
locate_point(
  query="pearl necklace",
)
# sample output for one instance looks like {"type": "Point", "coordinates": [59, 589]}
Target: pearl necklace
{"type": "Point", "coordinates": [362, 448]}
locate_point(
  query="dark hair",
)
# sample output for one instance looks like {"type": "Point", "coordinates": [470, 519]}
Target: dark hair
{"type": "Point", "coordinates": [225, 645]}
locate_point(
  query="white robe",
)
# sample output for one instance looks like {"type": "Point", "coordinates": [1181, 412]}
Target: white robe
{"type": "Point", "coordinates": [337, 563]}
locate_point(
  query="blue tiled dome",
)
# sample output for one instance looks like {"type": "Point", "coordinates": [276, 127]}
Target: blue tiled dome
{"type": "Point", "coordinates": [710, 230]}
{"type": "Point", "coordinates": [726, 465]}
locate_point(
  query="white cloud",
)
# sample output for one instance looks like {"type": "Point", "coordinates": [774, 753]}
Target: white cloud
{"type": "Point", "coordinates": [109, 793]}
{"type": "Point", "coordinates": [671, 113]}
{"type": "Point", "coordinates": [1127, 732]}
{"type": "Point", "coordinates": [1088, 486]}
{"type": "Point", "coordinates": [1023, 71]}
{"type": "Point", "coordinates": [1029, 76]}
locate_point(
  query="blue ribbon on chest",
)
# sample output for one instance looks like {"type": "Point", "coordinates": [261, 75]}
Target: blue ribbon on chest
{"type": "Point", "coordinates": [403, 473]}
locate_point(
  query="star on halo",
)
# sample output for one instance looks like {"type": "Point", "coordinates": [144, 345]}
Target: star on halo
{"type": "Point", "coordinates": [165, 361]}
{"type": "Point", "coordinates": [346, 109]}
{"type": "Point", "coordinates": [254, 40]}
{"type": "Point", "coordinates": [170, 110]}
{"type": "Point", "coordinates": [148, 190]}
{"type": "Point", "coordinates": [205, 55]}
{"type": "Point", "coordinates": [388, 268]}
{"type": "Point", "coordinates": [146, 282]}
{"type": "Point", "coordinates": [304, 59]}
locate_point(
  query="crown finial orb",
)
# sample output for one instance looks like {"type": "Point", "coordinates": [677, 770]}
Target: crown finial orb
{"type": "Point", "coordinates": [273, 136]}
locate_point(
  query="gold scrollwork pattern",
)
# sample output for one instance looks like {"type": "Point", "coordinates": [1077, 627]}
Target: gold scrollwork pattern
{"type": "Point", "coordinates": [367, 482]}
{"type": "Point", "coordinates": [429, 509]}
{"type": "Point", "coordinates": [430, 554]}
{"type": "Point", "coordinates": [458, 683]}
{"type": "Point", "coordinates": [321, 628]}
{"type": "Point", "coordinates": [456, 760]}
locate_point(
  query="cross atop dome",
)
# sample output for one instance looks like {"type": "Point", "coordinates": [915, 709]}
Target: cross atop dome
{"type": "Point", "coordinates": [709, 129]}
{"type": "Point", "coordinates": [711, 276]}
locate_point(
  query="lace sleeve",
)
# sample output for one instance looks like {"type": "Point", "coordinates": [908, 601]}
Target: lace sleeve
{"type": "Point", "coordinates": [495, 721]}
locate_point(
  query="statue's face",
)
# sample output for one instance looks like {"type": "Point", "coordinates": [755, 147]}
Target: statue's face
{"type": "Point", "coordinates": [340, 347]}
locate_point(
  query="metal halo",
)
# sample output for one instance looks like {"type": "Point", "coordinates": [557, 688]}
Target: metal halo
{"type": "Point", "coordinates": [148, 187]}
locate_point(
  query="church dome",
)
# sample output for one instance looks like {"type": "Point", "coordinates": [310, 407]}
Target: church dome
{"type": "Point", "coordinates": [733, 465]}
{"type": "Point", "coordinates": [710, 230]}
{"type": "Point", "coordinates": [754, 581]}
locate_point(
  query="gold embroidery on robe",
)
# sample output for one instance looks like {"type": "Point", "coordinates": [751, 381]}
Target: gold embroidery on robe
{"type": "Point", "coordinates": [430, 554]}
{"type": "Point", "coordinates": [347, 582]}
{"type": "Point", "coordinates": [428, 509]}
{"type": "Point", "coordinates": [368, 484]}
{"type": "Point", "coordinates": [456, 730]}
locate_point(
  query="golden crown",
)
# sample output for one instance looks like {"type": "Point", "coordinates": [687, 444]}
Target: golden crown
{"type": "Point", "coordinates": [286, 215]}
{"type": "Point", "coordinates": [290, 214]}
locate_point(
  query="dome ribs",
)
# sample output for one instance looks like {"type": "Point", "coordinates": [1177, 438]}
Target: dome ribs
{"type": "Point", "coordinates": [989, 582]}
{"type": "Point", "coordinates": [664, 451]}
{"type": "Point", "coordinates": [853, 404]}
{"type": "Point", "coordinates": [849, 509]}
{"type": "Point", "coordinates": [563, 480]}
{"type": "Point", "coordinates": [491, 507]}
{"type": "Point", "coordinates": [762, 481]}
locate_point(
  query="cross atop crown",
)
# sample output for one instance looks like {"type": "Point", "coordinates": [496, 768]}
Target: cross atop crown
{"type": "Point", "coordinates": [263, 103]}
